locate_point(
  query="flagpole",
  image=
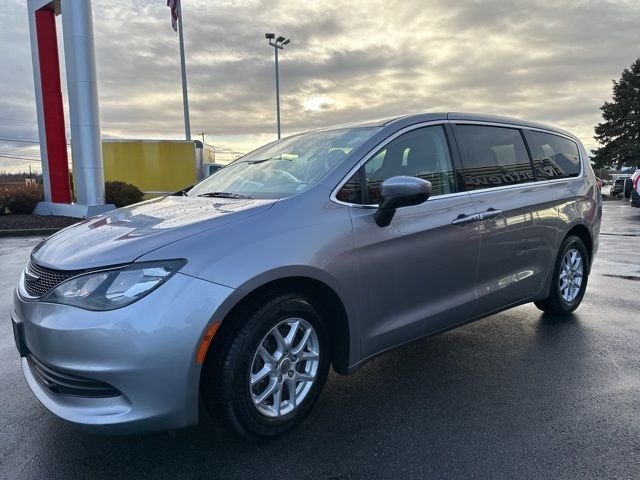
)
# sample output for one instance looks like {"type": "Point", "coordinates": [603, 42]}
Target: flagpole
{"type": "Point", "coordinates": [183, 66]}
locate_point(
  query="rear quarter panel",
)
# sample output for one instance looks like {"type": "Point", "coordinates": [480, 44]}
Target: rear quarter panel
{"type": "Point", "coordinates": [580, 204]}
{"type": "Point", "coordinates": [586, 207]}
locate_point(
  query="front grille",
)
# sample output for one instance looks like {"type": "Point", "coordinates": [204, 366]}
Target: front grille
{"type": "Point", "coordinates": [39, 280]}
{"type": "Point", "coordinates": [62, 383]}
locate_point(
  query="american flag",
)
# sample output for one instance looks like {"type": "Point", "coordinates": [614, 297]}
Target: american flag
{"type": "Point", "coordinates": [174, 5]}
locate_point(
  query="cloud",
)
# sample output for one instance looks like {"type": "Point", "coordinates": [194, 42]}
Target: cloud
{"type": "Point", "coordinates": [349, 60]}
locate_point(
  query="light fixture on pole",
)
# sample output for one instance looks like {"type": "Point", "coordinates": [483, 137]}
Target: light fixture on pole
{"type": "Point", "coordinates": [277, 44]}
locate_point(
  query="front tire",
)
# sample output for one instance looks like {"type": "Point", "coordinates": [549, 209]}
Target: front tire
{"type": "Point", "coordinates": [271, 369]}
{"type": "Point", "coordinates": [570, 276]}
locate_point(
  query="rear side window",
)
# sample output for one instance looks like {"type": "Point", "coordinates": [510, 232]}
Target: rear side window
{"type": "Point", "coordinates": [553, 156]}
{"type": "Point", "coordinates": [493, 156]}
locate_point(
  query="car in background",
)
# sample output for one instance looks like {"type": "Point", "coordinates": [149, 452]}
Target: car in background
{"type": "Point", "coordinates": [211, 168]}
{"type": "Point", "coordinates": [627, 186]}
{"type": "Point", "coordinates": [635, 189]}
{"type": "Point", "coordinates": [617, 187]}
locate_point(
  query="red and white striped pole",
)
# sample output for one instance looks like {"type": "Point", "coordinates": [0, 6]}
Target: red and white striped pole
{"type": "Point", "coordinates": [83, 108]}
{"type": "Point", "coordinates": [55, 166]}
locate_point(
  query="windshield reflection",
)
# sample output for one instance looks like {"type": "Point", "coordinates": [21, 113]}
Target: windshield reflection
{"type": "Point", "coordinates": [285, 167]}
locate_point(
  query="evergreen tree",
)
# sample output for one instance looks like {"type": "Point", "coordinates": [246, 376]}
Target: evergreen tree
{"type": "Point", "coordinates": [619, 133]}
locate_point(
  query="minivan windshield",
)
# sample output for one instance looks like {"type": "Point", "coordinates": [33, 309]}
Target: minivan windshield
{"type": "Point", "coordinates": [285, 167]}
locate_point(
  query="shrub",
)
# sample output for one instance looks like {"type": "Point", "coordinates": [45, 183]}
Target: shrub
{"type": "Point", "coordinates": [122, 194]}
{"type": "Point", "coordinates": [21, 199]}
{"type": "Point", "coordinates": [5, 196]}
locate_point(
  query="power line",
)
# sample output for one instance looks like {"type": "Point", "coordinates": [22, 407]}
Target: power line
{"type": "Point", "coordinates": [20, 158]}
{"type": "Point", "coordinates": [223, 149]}
{"type": "Point", "coordinates": [20, 154]}
{"type": "Point", "coordinates": [18, 120]}
{"type": "Point", "coordinates": [18, 140]}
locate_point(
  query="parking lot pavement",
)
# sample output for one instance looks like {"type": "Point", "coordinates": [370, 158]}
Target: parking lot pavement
{"type": "Point", "coordinates": [517, 395]}
{"type": "Point", "coordinates": [619, 240]}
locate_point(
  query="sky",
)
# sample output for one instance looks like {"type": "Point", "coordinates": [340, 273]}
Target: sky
{"type": "Point", "coordinates": [349, 60]}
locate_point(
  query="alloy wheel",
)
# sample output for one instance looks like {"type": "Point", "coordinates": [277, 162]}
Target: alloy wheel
{"type": "Point", "coordinates": [284, 367]}
{"type": "Point", "coordinates": [571, 275]}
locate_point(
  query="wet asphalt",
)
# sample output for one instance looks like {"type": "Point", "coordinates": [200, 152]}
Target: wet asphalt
{"type": "Point", "coordinates": [517, 395]}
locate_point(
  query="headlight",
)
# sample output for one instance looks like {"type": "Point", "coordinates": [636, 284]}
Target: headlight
{"type": "Point", "coordinates": [111, 289]}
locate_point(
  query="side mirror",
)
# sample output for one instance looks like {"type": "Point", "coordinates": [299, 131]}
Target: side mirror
{"type": "Point", "coordinates": [397, 192]}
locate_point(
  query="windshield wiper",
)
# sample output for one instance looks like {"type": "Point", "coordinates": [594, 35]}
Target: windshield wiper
{"type": "Point", "coordinates": [253, 162]}
{"type": "Point", "coordinates": [224, 195]}
{"type": "Point", "coordinates": [262, 160]}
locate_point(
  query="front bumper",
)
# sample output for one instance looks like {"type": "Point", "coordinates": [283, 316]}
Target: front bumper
{"type": "Point", "coordinates": [145, 351]}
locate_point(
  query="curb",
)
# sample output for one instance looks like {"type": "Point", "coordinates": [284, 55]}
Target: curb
{"type": "Point", "coordinates": [28, 232]}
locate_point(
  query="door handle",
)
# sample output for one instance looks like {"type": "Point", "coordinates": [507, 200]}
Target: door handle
{"type": "Point", "coordinates": [463, 219]}
{"type": "Point", "coordinates": [491, 213]}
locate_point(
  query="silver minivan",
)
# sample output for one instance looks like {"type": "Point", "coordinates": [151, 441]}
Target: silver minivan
{"type": "Point", "coordinates": [319, 250]}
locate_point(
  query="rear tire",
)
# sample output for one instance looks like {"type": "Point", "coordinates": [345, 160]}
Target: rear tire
{"type": "Point", "coordinates": [570, 276]}
{"type": "Point", "coordinates": [627, 186]}
{"type": "Point", "coordinates": [258, 357]}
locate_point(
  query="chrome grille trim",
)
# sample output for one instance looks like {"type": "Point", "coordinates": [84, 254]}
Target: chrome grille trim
{"type": "Point", "coordinates": [40, 280]}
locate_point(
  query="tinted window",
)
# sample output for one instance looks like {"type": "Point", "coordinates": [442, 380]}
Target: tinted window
{"type": "Point", "coordinates": [554, 156]}
{"type": "Point", "coordinates": [351, 192]}
{"type": "Point", "coordinates": [493, 156]}
{"type": "Point", "coordinates": [422, 153]}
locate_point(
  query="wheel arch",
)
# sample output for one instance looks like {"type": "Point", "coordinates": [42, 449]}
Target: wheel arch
{"type": "Point", "coordinates": [327, 301]}
{"type": "Point", "coordinates": [583, 233]}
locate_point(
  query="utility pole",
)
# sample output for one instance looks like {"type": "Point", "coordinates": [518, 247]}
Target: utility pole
{"type": "Point", "coordinates": [277, 44]}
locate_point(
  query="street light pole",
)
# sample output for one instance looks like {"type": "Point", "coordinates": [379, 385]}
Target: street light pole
{"type": "Point", "coordinates": [277, 91]}
{"type": "Point", "coordinates": [277, 44]}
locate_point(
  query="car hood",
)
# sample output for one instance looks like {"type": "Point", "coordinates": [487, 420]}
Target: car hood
{"type": "Point", "coordinates": [123, 235]}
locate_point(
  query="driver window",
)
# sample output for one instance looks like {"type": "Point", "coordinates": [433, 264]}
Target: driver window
{"type": "Point", "coordinates": [421, 153]}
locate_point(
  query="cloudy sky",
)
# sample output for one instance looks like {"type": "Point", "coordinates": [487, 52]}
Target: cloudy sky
{"type": "Point", "coordinates": [549, 61]}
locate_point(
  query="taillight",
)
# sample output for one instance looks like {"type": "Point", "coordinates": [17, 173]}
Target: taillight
{"type": "Point", "coordinates": [636, 184]}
